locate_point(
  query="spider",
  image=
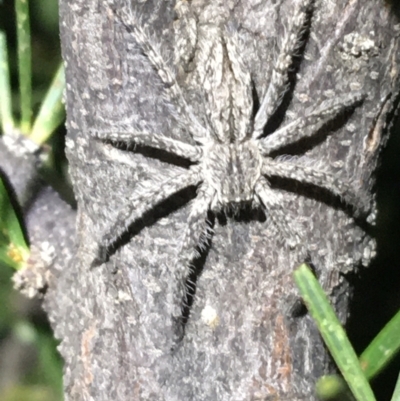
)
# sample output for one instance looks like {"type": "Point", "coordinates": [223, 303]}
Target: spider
{"type": "Point", "coordinates": [231, 159]}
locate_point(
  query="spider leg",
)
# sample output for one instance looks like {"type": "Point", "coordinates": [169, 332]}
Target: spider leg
{"type": "Point", "coordinates": [226, 83]}
{"type": "Point", "coordinates": [138, 205]}
{"type": "Point", "coordinates": [307, 126]}
{"type": "Point", "coordinates": [186, 34]}
{"type": "Point", "coordinates": [313, 176]}
{"type": "Point", "coordinates": [179, 148]}
{"type": "Point", "coordinates": [214, 82]}
{"type": "Point", "coordinates": [274, 208]}
{"type": "Point", "coordinates": [195, 240]}
{"type": "Point", "coordinates": [152, 49]}
{"type": "Point", "coordinates": [242, 107]}
{"type": "Point", "coordinates": [280, 75]}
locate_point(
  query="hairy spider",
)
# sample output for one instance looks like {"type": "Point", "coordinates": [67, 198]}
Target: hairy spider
{"type": "Point", "coordinates": [231, 159]}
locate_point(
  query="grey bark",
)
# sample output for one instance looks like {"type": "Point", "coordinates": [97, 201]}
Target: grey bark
{"type": "Point", "coordinates": [112, 320]}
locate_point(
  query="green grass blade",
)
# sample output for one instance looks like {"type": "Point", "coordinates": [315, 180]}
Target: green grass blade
{"type": "Point", "coordinates": [13, 249]}
{"type": "Point", "coordinates": [7, 122]}
{"type": "Point", "coordinates": [333, 333]}
{"type": "Point", "coordinates": [24, 63]}
{"type": "Point", "coordinates": [382, 348]}
{"type": "Point", "coordinates": [376, 356]}
{"type": "Point", "coordinates": [396, 394]}
{"type": "Point", "coordinates": [51, 113]}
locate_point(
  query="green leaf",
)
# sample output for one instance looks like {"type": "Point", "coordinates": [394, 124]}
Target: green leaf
{"type": "Point", "coordinates": [382, 349]}
{"type": "Point", "coordinates": [24, 63]}
{"type": "Point", "coordinates": [51, 113]}
{"type": "Point", "coordinates": [13, 249]}
{"type": "Point", "coordinates": [396, 394]}
{"type": "Point", "coordinates": [7, 122]}
{"type": "Point", "coordinates": [377, 355]}
{"type": "Point", "coordinates": [333, 333]}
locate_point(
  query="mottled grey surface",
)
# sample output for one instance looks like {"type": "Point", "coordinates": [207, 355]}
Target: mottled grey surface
{"type": "Point", "coordinates": [233, 159]}
{"type": "Point", "coordinates": [241, 342]}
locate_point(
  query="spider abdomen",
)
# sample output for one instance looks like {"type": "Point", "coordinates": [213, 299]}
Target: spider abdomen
{"type": "Point", "coordinates": [232, 170]}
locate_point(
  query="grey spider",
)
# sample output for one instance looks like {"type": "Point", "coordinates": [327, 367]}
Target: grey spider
{"type": "Point", "coordinates": [231, 159]}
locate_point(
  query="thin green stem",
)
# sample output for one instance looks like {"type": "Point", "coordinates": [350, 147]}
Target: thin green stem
{"type": "Point", "coordinates": [7, 122]}
{"type": "Point", "coordinates": [24, 63]}
{"type": "Point", "coordinates": [382, 349]}
{"type": "Point", "coordinates": [333, 333]}
{"type": "Point", "coordinates": [396, 394]}
{"type": "Point", "coordinates": [374, 359]}
{"type": "Point", "coordinates": [52, 110]}
{"type": "Point", "coordinates": [13, 248]}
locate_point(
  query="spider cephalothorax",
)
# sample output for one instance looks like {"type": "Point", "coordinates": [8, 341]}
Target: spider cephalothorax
{"type": "Point", "coordinates": [231, 159]}
{"type": "Point", "coordinates": [239, 168]}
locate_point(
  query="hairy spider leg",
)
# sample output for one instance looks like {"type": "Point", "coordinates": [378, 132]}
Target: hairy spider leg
{"type": "Point", "coordinates": [138, 205]}
{"type": "Point", "coordinates": [173, 146]}
{"type": "Point", "coordinates": [310, 175]}
{"type": "Point", "coordinates": [211, 72]}
{"type": "Point", "coordinates": [185, 28]}
{"type": "Point", "coordinates": [226, 85]}
{"type": "Point", "coordinates": [308, 125]}
{"type": "Point", "coordinates": [274, 209]}
{"type": "Point", "coordinates": [241, 91]}
{"type": "Point", "coordinates": [196, 236]}
{"type": "Point", "coordinates": [151, 48]}
{"type": "Point", "coordinates": [278, 85]}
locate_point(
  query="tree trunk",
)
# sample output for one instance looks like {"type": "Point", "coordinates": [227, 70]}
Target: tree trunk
{"type": "Point", "coordinates": [243, 339]}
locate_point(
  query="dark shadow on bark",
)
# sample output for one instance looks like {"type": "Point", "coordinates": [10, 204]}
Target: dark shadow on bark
{"type": "Point", "coordinates": [321, 195]}
{"type": "Point", "coordinates": [163, 209]}
{"type": "Point", "coordinates": [276, 119]}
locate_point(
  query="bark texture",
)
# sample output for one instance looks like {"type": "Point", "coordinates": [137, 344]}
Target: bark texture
{"type": "Point", "coordinates": [242, 341]}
